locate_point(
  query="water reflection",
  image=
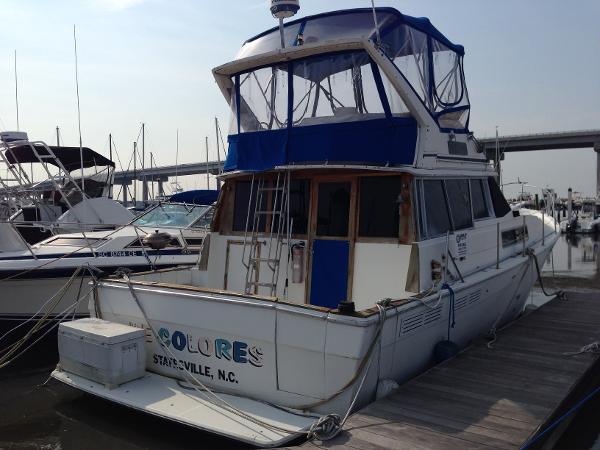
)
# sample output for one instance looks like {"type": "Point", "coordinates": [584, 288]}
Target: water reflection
{"type": "Point", "coordinates": [575, 256]}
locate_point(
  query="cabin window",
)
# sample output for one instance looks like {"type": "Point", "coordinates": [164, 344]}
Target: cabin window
{"type": "Point", "coordinates": [501, 207]}
{"type": "Point", "coordinates": [76, 242]}
{"type": "Point", "coordinates": [380, 201]}
{"type": "Point", "coordinates": [460, 203]}
{"type": "Point", "coordinates": [337, 87]}
{"type": "Point", "coordinates": [333, 209]}
{"type": "Point", "coordinates": [299, 205]}
{"type": "Point", "coordinates": [478, 200]}
{"type": "Point", "coordinates": [264, 99]}
{"type": "Point", "coordinates": [241, 203]}
{"type": "Point", "coordinates": [139, 243]}
{"type": "Point", "coordinates": [436, 209]}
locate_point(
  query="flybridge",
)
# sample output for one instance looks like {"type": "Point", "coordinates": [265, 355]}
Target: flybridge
{"type": "Point", "coordinates": [338, 94]}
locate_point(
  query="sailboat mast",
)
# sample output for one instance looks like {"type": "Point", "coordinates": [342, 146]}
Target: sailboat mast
{"type": "Point", "coordinates": [176, 158]}
{"type": "Point", "coordinates": [144, 157]}
{"type": "Point", "coordinates": [207, 171]}
{"type": "Point", "coordinates": [135, 173]}
{"type": "Point", "coordinates": [218, 150]}
{"type": "Point", "coordinates": [78, 111]}
{"type": "Point", "coordinates": [16, 91]}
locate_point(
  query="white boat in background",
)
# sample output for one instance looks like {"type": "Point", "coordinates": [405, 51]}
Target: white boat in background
{"type": "Point", "coordinates": [585, 220]}
{"type": "Point", "coordinates": [46, 283]}
{"type": "Point", "coordinates": [359, 235]}
{"type": "Point", "coordinates": [73, 195]}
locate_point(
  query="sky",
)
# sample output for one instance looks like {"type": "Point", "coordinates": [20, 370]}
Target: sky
{"type": "Point", "coordinates": [531, 66]}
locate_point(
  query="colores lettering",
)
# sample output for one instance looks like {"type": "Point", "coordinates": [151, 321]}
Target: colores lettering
{"type": "Point", "coordinates": [237, 351]}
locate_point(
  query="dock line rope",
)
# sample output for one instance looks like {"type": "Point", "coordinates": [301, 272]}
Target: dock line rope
{"type": "Point", "coordinates": [13, 351]}
{"type": "Point", "coordinates": [530, 252]}
{"type": "Point", "coordinates": [326, 427]}
{"type": "Point", "coordinates": [593, 347]}
{"type": "Point", "coordinates": [451, 308]}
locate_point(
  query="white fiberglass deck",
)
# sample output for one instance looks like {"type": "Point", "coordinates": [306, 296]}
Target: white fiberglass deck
{"type": "Point", "coordinates": [164, 397]}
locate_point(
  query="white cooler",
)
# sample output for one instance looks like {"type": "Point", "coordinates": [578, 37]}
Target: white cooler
{"type": "Point", "coordinates": [105, 352]}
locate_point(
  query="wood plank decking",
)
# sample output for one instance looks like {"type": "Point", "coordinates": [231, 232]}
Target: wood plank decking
{"type": "Point", "coordinates": [485, 398]}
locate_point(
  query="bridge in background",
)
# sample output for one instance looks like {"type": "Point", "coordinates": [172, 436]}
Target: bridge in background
{"type": "Point", "coordinates": [562, 140]}
{"type": "Point", "coordinates": [505, 144]}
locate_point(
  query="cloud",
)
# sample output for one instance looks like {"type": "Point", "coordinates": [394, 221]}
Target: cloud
{"type": "Point", "coordinates": [118, 5]}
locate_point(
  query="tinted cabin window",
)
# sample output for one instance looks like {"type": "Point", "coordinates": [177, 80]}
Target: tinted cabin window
{"type": "Point", "coordinates": [240, 205]}
{"type": "Point", "coordinates": [501, 207]}
{"type": "Point", "coordinates": [333, 209]}
{"type": "Point", "coordinates": [436, 209]}
{"type": "Point", "coordinates": [460, 203]}
{"type": "Point", "coordinates": [379, 207]}
{"type": "Point", "coordinates": [480, 209]}
{"type": "Point", "coordinates": [299, 206]}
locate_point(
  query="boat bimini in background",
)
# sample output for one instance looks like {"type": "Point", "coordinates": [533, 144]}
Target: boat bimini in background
{"type": "Point", "coordinates": [359, 232]}
{"type": "Point", "coordinates": [64, 201]}
{"type": "Point", "coordinates": [46, 283]}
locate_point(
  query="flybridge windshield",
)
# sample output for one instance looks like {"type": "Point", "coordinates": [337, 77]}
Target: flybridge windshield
{"type": "Point", "coordinates": [426, 58]}
{"type": "Point", "coordinates": [331, 88]}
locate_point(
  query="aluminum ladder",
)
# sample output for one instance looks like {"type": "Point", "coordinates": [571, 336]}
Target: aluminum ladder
{"type": "Point", "coordinates": [275, 217]}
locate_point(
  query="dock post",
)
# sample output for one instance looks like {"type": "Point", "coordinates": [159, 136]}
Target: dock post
{"type": "Point", "coordinates": [569, 205]}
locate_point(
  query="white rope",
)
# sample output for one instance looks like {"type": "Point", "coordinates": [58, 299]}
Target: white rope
{"type": "Point", "coordinates": [326, 427]}
{"type": "Point", "coordinates": [9, 353]}
{"type": "Point", "coordinates": [62, 288]}
{"type": "Point", "coordinates": [594, 347]}
{"type": "Point", "coordinates": [330, 425]}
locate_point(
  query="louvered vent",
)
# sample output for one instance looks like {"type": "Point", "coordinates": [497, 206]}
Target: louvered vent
{"type": "Point", "coordinates": [474, 297]}
{"type": "Point", "coordinates": [432, 315]}
{"type": "Point", "coordinates": [461, 302]}
{"type": "Point", "coordinates": [411, 323]}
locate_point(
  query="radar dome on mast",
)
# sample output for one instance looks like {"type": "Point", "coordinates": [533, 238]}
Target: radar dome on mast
{"type": "Point", "coordinates": [283, 9]}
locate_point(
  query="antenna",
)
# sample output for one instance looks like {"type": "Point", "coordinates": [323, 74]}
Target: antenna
{"type": "Point", "coordinates": [375, 21]}
{"type": "Point", "coordinates": [283, 9]}
{"type": "Point", "coordinates": [16, 91]}
{"type": "Point", "coordinates": [176, 158]}
{"type": "Point", "coordinates": [78, 110]}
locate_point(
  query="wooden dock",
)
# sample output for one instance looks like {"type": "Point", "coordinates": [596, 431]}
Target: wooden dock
{"type": "Point", "coordinates": [490, 398]}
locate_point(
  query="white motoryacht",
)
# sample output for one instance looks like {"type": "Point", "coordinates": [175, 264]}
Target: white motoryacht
{"type": "Point", "coordinates": [360, 236]}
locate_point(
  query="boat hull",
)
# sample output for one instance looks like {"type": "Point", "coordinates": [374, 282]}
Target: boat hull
{"type": "Point", "coordinates": [302, 357]}
{"type": "Point", "coordinates": [39, 299]}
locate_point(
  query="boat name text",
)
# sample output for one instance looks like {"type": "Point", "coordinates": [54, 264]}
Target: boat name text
{"type": "Point", "coordinates": [224, 349]}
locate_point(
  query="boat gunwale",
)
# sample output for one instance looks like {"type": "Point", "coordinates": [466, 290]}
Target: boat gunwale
{"type": "Point", "coordinates": [371, 312]}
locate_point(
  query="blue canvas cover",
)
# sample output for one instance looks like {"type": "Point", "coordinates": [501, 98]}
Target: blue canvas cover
{"type": "Point", "coordinates": [196, 197]}
{"type": "Point", "coordinates": [329, 278]}
{"type": "Point", "coordinates": [380, 142]}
